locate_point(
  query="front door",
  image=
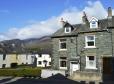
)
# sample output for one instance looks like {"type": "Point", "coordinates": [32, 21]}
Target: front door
{"type": "Point", "coordinates": [108, 68]}
{"type": "Point", "coordinates": [74, 66]}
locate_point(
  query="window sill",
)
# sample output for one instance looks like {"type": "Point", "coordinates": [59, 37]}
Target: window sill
{"type": "Point", "coordinates": [90, 47]}
{"type": "Point", "coordinates": [64, 68]}
{"type": "Point", "coordinates": [67, 32]}
{"type": "Point", "coordinates": [62, 50]}
{"type": "Point", "coordinates": [93, 27]}
{"type": "Point", "coordinates": [91, 68]}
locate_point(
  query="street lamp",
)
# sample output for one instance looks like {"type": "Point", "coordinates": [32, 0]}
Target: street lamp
{"type": "Point", "coordinates": [45, 62]}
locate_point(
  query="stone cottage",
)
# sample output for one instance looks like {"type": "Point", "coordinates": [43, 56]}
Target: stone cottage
{"type": "Point", "coordinates": [86, 49]}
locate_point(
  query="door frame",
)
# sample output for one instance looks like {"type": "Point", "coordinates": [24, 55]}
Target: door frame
{"type": "Point", "coordinates": [71, 71]}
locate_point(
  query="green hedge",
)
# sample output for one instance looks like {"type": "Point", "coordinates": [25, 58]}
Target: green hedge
{"type": "Point", "coordinates": [31, 72]}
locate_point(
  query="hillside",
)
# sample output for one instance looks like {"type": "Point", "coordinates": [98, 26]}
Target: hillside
{"type": "Point", "coordinates": [41, 45]}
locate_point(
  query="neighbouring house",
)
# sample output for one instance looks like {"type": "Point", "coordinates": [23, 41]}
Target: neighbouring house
{"type": "Point", "coordinates": [12, 60]}
{"type": "Point", "coordinates": [86, 50]}
{"type": "Point", "coordinates": [25, 59]}
{"type": "Point", "coordinates": [8, 60]}
{"type": "Point", "coordinates": [43, 60]}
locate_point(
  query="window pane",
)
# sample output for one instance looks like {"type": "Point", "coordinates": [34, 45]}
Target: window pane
{"type": "Point", "coordinates": [91, 43]}
{"type": "Point", "coordinates": [63, 58]}
{"type": "Point", "coordinates": [4, 56]}
{"type": "Point", "coordinates": [49, 63]}
{"type": "Point", "coordinates": [93, 22]}
{"type": "Point", "coordinates": [62, 40]}
{"type": "Point", "coordinates": [39, 62]}
{"type": "Point", "coordinates": [3, 65]}
{"type": "Point", "coordinates": [62, 63]}
{"type": "Point", "coordinates": [91, 58]}
{"type": "Point", "coordinates": [93, 25]}
{"type": "Point", "coordinates": [90, 37]}
{"type": "Point", "coordinates": [63, 46]}
{"type": "Point", "coordinates": [67, 30]}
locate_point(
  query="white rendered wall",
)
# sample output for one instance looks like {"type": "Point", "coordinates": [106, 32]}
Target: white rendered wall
{"type": "Point", "coordinates": [42, 58]}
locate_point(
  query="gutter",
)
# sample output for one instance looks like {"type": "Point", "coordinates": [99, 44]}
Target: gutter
{"type": "Point", "coordinates": [104, 30]}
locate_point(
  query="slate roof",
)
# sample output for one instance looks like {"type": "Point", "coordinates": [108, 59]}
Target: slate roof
{"type": "Point", "coordinates": [81, 28]}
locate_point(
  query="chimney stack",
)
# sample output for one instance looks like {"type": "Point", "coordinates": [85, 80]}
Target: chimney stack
{"type": "Point", "coordinates": [63, 22]}
{"type": "Point", "coordinates": [109, 12]}
{"type": "Point", "coordinates": [84, 18]}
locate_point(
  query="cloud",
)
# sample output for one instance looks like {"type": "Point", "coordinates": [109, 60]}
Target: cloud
{"type": "Point", "coordinates": [72, 15]}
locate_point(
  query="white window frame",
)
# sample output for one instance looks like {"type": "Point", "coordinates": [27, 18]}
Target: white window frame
{"type": "Point", "coordinates": [65, 68]}
{"type": "Point", "coordinates": [69, 28]}
{"type": "Point", "coordinates": [88, 65]}
{"type": "Point", "coordinates": [60, 42]}
{"type": "Point", "coordinates": [95, 25]}
{"type": "Point", "coordinates": [86, 41]}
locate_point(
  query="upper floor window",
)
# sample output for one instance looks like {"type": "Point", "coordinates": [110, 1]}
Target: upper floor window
{"type": "Point", "coordinates": [93, 23]}
{"type": "Point", "coordinates": [62, 44]}
{"type": "Point", "coordinates": [90, 41]}
{"type": "Point", "coordinates": [4, 56]}
{"type": "Point", "coordinates": [67, 29]}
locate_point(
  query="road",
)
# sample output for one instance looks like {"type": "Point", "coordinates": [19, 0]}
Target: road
{"type": "Point", "coordinates": [56, 79]}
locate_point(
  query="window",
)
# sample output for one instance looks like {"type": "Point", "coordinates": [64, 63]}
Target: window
{"type": "Point", "coordinates": [4, 56]}
{"type": "Point", "coordinates": [67, 29]}
{"type": "Point", "coordinates": [93, 23]}
{"type": "Point", "coordinates": [39, 62]}
{"type": "Point", "coordinates": [40, 55]}
{"type": "Point", "coordinates": [3, 65]}
{"type": "Point", "coordinates": [26, 63]}
{"type": "Point", "coordinates": [90, 41]}
{"type": "Point", "coordinates": [90, 62]}
{"type": "Point", "coordinates": [62, 44]}
{"type": "Point", "coordinates": [49, 63]}
{"type": "Point", "coordinates": [63, 63]}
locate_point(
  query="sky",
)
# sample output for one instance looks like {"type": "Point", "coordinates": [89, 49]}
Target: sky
{"type": "Point", "coordinates": [23, 19]}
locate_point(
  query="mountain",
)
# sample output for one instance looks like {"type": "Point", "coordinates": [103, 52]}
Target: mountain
{"type": "Point", "coordinates": [40, 45]}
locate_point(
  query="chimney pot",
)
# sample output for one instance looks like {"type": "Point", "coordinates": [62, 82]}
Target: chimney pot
{"type": "Point", "coordinates": [62, 22]}
{"type": "Point", "coordinates": [109, 12]}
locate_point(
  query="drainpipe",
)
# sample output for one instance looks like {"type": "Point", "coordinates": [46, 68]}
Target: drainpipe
{"type": "Point", "coordinates": [76, 46]}
{"type": "Point", "coordinates": [77, 51]}
{"type": "Point", "coordinates": [112, 44]}
{"type": "Point", "coordinates": [112, 52]}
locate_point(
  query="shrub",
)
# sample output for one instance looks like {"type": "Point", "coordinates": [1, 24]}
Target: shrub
{"type": "Point", "coordinates": [21, 72]}
{"type": "Point", "coordinates": [24, 66]}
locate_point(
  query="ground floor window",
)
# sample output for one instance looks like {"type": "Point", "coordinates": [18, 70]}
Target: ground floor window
{"type": "Point", "coordinates": [63, 63]}
{"type": "Point", "coordinates": [39, 62]}
{"type": "Point", "coordinates": [49, 63]}
{"type": "Point", "coordinates": [3, 65]}
{"type": "Point", "coordinates": [90, 62]}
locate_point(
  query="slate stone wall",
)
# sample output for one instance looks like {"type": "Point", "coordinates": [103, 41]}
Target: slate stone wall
{"type": "Point", "coordinates": [76, 47]}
